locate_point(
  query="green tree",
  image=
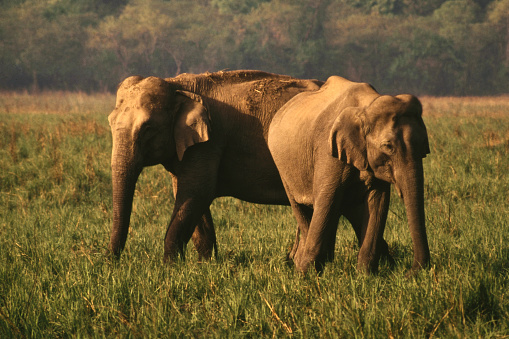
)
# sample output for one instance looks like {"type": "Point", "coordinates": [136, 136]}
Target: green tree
{"type": "Point", "coordinates": [378, 6]}
{"type": "Point", "coordinates": [423, 46]}
{"type": "Point", "coordinates": [154, 37]}
{"type": "Point", "coordinates": [236, 6]}
{"type": "Point", "coordinates": [499, 19]}
{"type": "Point", "coordinates": [456, 17]}
{"type": "Point", "coordinates": [421, 7]}
{"type": "Point", "coordinates": [280, 36]}
{"type": "Point", "coordinates": [495, 42]}
{"type": "Point", "coordinates": [477, 45]}
{"type": "Point", "coordinates": [44, 40]}
{"type": "Point", "coordinates": [358, 45]}
{"type": "Point", "coordinates": [422, 61]}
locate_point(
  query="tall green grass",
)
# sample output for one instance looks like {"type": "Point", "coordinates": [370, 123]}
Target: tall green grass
{"type": "Point", "coordinates": [55, 217]}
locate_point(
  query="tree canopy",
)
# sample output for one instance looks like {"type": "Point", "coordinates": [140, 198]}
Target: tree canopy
{"type": "Point", "coordinates": [434, 47]}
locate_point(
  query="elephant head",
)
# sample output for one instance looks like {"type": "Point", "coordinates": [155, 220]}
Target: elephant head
{"type": "Point", "coordinates": [152, 123]}
{"type": "Point", "coordinates": [388, 138]}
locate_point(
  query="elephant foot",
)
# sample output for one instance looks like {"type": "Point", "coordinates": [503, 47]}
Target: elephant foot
{"type": "Point", "coordinates": [304, 262]}
{"type": "Point", "coordinates": [204, 238]}
{"type": "Point", "coordinates": [204, 248]}
{"type": "Point", "coordinates": [367, 264]}
{"type": "Point", "coordinates": [290, 257]}
{"type": "Point", "coordinates": [416, 268]}
{"type": "Point", "coordinates": [112, 256]}
{"type": "Point", "coordinates": [169, 258]}
{"type": "Point", "coordinates": [386, 257]}
{"type": "Point", "coordinates": [413, 272]}
{"type": "Point", "coordinates": [289, 260]}
{"type": "Point", "coordinates": [300, 265]}
{"type": "Point", "coordinates": [172, 253]}
{"type": "Point", "coordinates": [367, 268]}
{"type": "Point", "coordinates": [319, 267]}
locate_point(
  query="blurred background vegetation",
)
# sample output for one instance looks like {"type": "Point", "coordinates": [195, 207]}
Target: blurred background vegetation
{"type": "Point", "coordinates": [432, 47]}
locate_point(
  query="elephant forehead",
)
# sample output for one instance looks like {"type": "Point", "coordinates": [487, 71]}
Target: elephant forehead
{"type": "Point", "coordinates": [150, 101]}
{"type": "Point", "coordinates": [386, 104]}
{"type": "Point", "coordinates": [127, 112]}
{"type": "Point", "coordinates": [122, 118]}
{"type": "Point", "coordinates": [399, 105]}
{"type": "Point", "coordinates": [137, 99]}
{"type": "Point", "coordinates": [150, 85]}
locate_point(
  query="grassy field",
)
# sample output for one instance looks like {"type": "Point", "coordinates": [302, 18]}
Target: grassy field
{"type": "Point", "coordinates": [55, 217]}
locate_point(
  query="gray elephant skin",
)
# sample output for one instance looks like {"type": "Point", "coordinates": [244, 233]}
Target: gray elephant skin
{"type": "Point", "coordinates": [338, 150]}
{"type": "Point", "coordinates": [210, 132]}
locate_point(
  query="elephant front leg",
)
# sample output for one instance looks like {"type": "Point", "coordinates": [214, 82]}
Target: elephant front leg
{"type": "Point", "coordinates": [204, 237]}
{"type": "Point", "coordinates": [358, 216]}
{"type": "Point", "coordinates": [186, 216]}
{"type": "Point", "coordinates": [372, 242]}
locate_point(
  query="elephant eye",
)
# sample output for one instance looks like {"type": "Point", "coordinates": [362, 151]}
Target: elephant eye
{"type": "Point", "coordinates": [146, 128]}
{"type": "Point", "coordinates": [388, 148]}
{"type": "Point", "coordinates": [146, 132]}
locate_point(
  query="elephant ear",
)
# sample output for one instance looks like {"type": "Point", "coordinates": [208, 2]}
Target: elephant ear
{"type": "Point", "coordinates": [415, 109]}
{"type": "Point", "coordinates": [347, 139]}
{"type": "Point", "coordinates": [192, 122]}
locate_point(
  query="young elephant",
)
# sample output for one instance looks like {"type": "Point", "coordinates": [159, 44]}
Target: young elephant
{"type": "Point", "coordinates": [338, 150]}
{"type": "Point", "coordinates": [210, 132]}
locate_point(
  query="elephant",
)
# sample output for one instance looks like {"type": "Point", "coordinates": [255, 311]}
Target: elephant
{"type": "Point", "coordinates": [338, 150]}
{"type": "Point", "coordinates": [210, 132]}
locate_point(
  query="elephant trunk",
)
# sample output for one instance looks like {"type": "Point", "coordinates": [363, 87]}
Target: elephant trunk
{"type": "Point", "coordinates": [411, 187]}
{"type": "Point", "coordinates": [124, 177]}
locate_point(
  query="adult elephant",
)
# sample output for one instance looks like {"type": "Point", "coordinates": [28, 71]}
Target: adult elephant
{"type": "Point", "coordinates": [209, 131]}
{"type": "Point", "coordinates": [338, 151]}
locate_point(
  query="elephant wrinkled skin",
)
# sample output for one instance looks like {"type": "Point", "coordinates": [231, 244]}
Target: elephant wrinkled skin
{"type": "Point", "coordinates": [338, 151]}
{"type": "Point", "coordinates": [210, 132]}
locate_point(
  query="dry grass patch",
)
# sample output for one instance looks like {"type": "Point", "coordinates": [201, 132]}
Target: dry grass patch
{"type": "Point", "coordinates": [56, 102]}
{"type": "Point", "coordinates": [494, 107]}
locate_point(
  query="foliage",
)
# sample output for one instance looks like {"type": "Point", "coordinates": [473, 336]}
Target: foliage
{"type": "Point", "coordinates": [426, 47]}
{"type": "Point", "coordinates": [55, 217]}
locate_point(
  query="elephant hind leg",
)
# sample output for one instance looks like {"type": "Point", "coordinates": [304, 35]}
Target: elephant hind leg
{"type": "Point", "coordinates": [204, 237]}
{"type": "Point", "coordinates": [318, 247]}
{"type": "Point", "coordinates": [303, 214]}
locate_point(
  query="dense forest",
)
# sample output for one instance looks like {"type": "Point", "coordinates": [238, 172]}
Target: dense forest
{"type": "Point", "coordinates": [433, 47]}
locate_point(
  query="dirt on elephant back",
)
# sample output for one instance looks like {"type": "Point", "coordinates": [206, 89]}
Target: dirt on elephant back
{"type": "Point", "coordinates": [205, 81]}
{"type": "Point", "coordinates": [241, 76]}
{"type": "Point", "coordinates": [264, 93]}
{"type": "Point", "coordinates": [270, 91]}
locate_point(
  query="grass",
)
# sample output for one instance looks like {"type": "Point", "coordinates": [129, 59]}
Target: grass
{"type": "Point", "coordinates": [55, 216]}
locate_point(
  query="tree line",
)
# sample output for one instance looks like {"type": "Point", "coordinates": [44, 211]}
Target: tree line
{"type": "Point", "coordinates": [433, 47]}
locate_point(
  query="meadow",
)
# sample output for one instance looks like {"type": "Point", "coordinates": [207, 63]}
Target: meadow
{"type": "Point", "coordinates": [55, 217]}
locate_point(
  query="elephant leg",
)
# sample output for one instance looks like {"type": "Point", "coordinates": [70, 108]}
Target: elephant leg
{"type": "Point", "coordinates": [195, 186]}
{"type": "Point", "coordinates": [372, 241]}
{"type": "Point", "coordinates": [330, 242]}
{"type": "Point", "coordinates": [303, 214]}
{"type": "Point", "coordinates": [186, 215]}
{"type": "Point", "coordinates": [204, 237]}
{"type": "Point", "coordinates": [320, 236]}
{"type": "Point", "coordinates": [358, 216]}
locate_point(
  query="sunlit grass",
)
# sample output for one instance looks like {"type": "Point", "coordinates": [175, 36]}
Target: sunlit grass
{"type": "Point", "coordinates": [55, 217]}
{"type": "Point", "coordinates": [61, 103]}
{"type": "Point", "coordinates": [496, 107]}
